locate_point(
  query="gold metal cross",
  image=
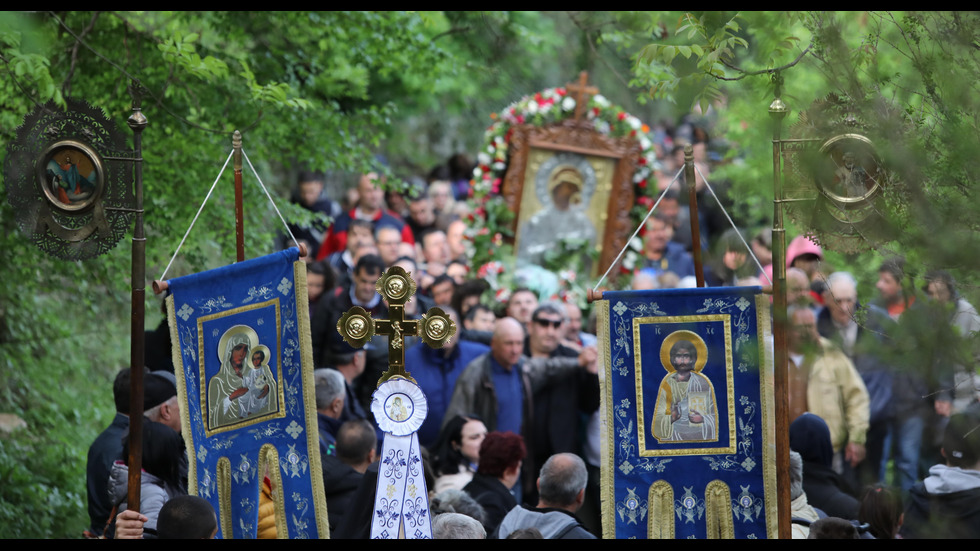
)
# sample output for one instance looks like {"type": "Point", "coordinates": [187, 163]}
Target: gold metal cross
{"type": "Point", "coordinates": [357, 326]}
{"type": "Point", "coordinates": [581, 91]}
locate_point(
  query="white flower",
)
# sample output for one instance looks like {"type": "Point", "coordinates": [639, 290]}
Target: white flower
{"type": "Point", "coordinates": [544, 108]}
{"type": "Point", "coordinates": [477, 173]}
{"type": "Point", "coordinates": [483, 158]}
{"type": "Point", "coordinates": [644, 143]}
{"type": "Point", "coordinates": [634, 122]}
{"type": "Point", "coordinates": [602, 127]}
{"type": "Point", "coordinates": [532, 107]}
{"type": "Point", "coordinates": [499, 166]}
{"type": "Point", "coordinates": [568, 103]}
{"type": "Point", "coordinates": [636, 244]}
{"type": "Point", "coordinates": [600, 101]}
{"type": "Point", "coordinates": [499, 140]}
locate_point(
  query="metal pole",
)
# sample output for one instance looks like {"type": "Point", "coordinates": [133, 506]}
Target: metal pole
{"type": "Point", "coordinates": [236, 143]}
{"type": "Point", "coordinates": [777, 110]}
{"type": "Point", "coordinates": [137, 122]}
{"type": "Point", "coordinates": [692, 204]}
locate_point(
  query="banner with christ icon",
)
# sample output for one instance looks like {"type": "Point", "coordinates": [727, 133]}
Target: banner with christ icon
{"type": "Point", "coordinates": [244, 367]}
{"type": "Point", "coordinates": [688, 444]}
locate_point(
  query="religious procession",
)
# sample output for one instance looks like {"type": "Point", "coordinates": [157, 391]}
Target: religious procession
{"type": "Point", "coordinates": [489, 275]}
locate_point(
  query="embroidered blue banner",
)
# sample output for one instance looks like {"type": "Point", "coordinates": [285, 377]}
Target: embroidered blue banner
{"type": "Point", "coordinates": [245, 379]}
{"type": "Point", "coordinates": [688, 445]}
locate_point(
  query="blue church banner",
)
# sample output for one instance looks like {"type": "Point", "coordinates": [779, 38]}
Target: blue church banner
{"type": "Point", "coordinates": [244, 366]}
{"type": "Point", "coordinates": [688, 447]}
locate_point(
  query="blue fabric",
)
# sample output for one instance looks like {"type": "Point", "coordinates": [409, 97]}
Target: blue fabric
{"type": "Point", "coordinates": [436, 375]}
{"type": "Point", "coordinates": [737, 434]}
{"type": "Point", "coordinates": [251, 304]}
{"type": "Point", "coordinates": [905, 439]}
{"type": "Point", "coordinates": [676, 259]}
{"type": "Point", "coordinates": [510, 396]}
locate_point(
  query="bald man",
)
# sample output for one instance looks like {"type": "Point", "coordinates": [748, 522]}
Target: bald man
{"type": "Point", "coordinates": [499, 385]}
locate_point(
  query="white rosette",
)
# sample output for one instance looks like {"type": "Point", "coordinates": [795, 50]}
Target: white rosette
{"type": "Point", "coordinates": [399, 406]}
{"type": "Point", "coordinates": [401, 501]}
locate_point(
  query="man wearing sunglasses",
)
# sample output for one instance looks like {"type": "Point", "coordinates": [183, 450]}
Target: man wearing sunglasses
{"type": "Point", "coordinates": [562, 407]}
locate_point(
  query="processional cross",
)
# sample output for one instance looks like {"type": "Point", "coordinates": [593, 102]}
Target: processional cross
{"type": "Point", "coordinates": [397, 287]}
{"type": "Point", "coordinates": [399, 406]}
{"type": "Point", "coordinates": [581, 91]}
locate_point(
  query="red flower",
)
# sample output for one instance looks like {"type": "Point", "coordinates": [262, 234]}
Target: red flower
{"type": "Point", "coordinates": [645, 201]}
{"type": "Point", "coordinates": [642, 161]}
{"type": "Point", "coordinates": [507, 136]}
{"type": "Point", "coordinates": [560, 91]}
{"type": "Point", "coordinates": [495, 187]}
{"type": "Point", "coordinates": [520, 119]}
{"type": "Point", "coordinates": [632, 132]}
{"type": "Point", "coordinates": [537, 97]}
{"type": "Point", "coordinates": [621, 116]}
{"type": "Point", "coordinates": [595, 111]}
{"type": "Point", "coordinates": [642, 184]}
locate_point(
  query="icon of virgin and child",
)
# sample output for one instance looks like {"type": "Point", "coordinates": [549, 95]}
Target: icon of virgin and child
{"type": "Point", "coordinates": [244, 387]}
{"type": "Point", "coordinates": [686, 409]}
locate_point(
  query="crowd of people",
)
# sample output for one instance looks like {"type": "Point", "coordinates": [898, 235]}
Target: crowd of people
{"type": "Point", "coordinates": [511, 440]}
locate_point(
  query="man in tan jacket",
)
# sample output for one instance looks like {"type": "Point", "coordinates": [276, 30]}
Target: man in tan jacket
{"type": "Point", "coordinates": [823, 381]}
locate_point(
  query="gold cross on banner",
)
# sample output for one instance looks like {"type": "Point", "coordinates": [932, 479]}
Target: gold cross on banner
{"type": "Point", "coordinates": [357, 326]}
{"type": "Point", "coordinates": [581, 90]}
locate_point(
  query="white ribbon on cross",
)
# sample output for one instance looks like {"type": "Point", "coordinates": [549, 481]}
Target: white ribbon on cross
{"type": "Point", "coordinates": [401, 502]}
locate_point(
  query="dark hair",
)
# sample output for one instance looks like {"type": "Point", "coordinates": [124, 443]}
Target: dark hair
{"type": "Point", "coordinates": [309, 176]}
{"type": "Point", "coordinates": [163, 449]}
{"type": "Point", "coordinates": [521, 290]}
{"type": "Point", "coordinates": [941, 276]}
{"type": "Point", "coordinates": [443, 278]}
{"type": "Point", "coordinates": [476, 309]}
{"type": "Point", "coordinates": [360, 223]}
{"type": "Point", "coordinates": [355, 439]}
{"type": "Point", "coordinates": [880, 509]}
{"type": "Point", "coordinates": [370, 262]}
{"type": "Point", "coordinates": [961, 439]}
{"type": "Point", "coordinates": [447, 456]}
{"type": "Point", "coordinates": [186, 517]}
{"type": "Point", "coordinates": [120, 391]}
{"type": "Point", "coordinates": [499, 452]}
{"type": "Point", "coordinates": [895, 267]}
{"type": "Point", "coordinates": [833, 528]}
{"type": "Point", "coordinates": [468, 288]}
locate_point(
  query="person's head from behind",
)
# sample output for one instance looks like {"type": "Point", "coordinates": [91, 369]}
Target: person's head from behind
{"type": "Point", "coordinates": [356, 443]}
{"type": "Point", "coordinates": [961, 441]}
{"type": "Point", "coordinates": [501, 456]}
{"type": "Point", "coordinates": [162, 452]}
{"type": "Point", "coordinates": [457, 526]}
{"type": "Point", "coordinates": [330, 391]}
{"type": "Point", "coordinates": [562, 482]}
{"type": "Point", "coordinates": [120, 390]}
{"type": "Point", "coordinates": [881, 509]}
{"type": "Point", "coordinates": [457, 501]}
{"type": "Point", "coordinates": [187, 518]}
{"type": "Point", "coordinates": [833, 528]}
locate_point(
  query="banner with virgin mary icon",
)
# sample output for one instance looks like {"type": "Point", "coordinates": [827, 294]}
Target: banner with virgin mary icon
{"type": "Point", "coordinates": [687, 399]}
{"type": "Point", "coordinates": [244, 366]}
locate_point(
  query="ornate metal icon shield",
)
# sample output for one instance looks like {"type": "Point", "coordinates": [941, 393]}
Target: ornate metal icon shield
{"type": "Point", "coordinates": [835, 178]}
{"type": "Point", "coordinates": [69, 179]}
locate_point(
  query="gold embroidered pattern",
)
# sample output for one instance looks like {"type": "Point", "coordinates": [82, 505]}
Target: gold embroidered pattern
{"type": "Point", "coordinates": [718, 502]}
{"type": "Point", "coordinates": [223, 474]}
{"type": "Point", "coordinates": [660, 521]}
